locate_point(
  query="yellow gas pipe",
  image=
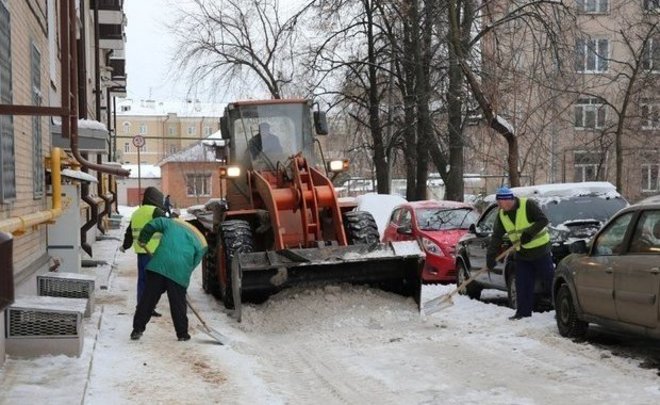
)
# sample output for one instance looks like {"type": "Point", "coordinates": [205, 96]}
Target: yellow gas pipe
{"type": "Point", "coordinates": [18, 225]}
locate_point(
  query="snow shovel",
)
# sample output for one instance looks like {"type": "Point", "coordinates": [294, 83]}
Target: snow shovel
{"type": "Point", "coordinates": [445, 301]}
{"type": "Point", "coordinates": [217, 336]}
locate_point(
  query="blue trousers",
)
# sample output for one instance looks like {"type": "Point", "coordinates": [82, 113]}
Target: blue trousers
{"type": "Point", "coordinates": [527, 272]}
{"type": "Point", "coordinates": [143, 260]}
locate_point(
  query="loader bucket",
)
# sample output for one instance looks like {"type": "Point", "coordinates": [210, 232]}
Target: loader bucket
{"type": "Point", "coordinates": [392, 266]}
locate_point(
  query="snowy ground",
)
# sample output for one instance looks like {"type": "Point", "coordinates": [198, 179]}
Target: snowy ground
{"type": "Point", "coordinates": [338, 344]}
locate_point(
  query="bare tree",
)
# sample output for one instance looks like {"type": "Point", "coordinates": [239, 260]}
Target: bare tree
{"type": "Point", "coordinates": [237, 41]}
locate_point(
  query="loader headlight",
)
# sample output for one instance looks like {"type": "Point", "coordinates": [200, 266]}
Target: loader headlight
{"type": "Point", "coordinates": [231, 172]}
{"type": "Point", "coordinates": [431, 247]}
{"type": "Point", "coordinates": [337, 166]}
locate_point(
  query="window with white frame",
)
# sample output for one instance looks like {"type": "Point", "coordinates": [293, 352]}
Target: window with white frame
{"type": "Point", "coordinates": [651, 57]}
{"type": "Point", "coordinates": [172, 149]}
{"type": "Point", "coordinates": [207, 131]}
{"type": "Point", "coordinates": [127, 127]}
{"type": "Point", "coordinates": [650, 114]}
{"type": "Point", "coordinates": [127, 147]}
{"type": "Point", "coordinates": [590, 113]}
{"type": "Point", "coordinates": [589, 165]}
{"type": "Point", "coordinates": [170, 131]}
{"type": "Point", "coordinates": [143, 129]}
{"type": "Point", "coordinates": [593, 6]}
{"type": "Point", "coordinates": [143, 148]}
{"type": "Point", "coordinates": [650, 177]}
{"type": "Point", "coordinates": [592, 55]}
{"type": "Point", "coordinates": [37, 151]}
{"type": "Point", "coordinates": [652, 5]}
{"type": "Point", "coordinates": [198, 184]}
{"type": "Point", "coordinates": [192, 131]}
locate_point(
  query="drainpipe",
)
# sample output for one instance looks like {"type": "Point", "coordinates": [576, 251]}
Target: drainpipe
{"type": "Point", "coordinates": [82, 66]}
{"type": "Point", "coordinates": [19, 225]}
{"type": "Point", "coordinates": [70, 88]}
{"type": "Point", "coordinates": [107, 199]}
{"type": "Point", "coordinates": [93, 203]}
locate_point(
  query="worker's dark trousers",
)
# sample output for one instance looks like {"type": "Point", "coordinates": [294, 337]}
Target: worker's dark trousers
{"type": "Point", "coordinates": [527, 272]}
{"type": "Point", "coordinates": [156, 285]}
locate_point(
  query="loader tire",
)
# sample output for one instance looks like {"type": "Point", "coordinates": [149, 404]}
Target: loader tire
{"type": "Point", "coordinates": [361, 228]}
{"type": "Point", "coordinates": [236, 237]}
{"type": "Point", "coordinates": [210, 282]}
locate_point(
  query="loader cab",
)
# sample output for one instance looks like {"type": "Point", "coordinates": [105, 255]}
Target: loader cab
{"type": "Point", "coordinates": [263, 133]}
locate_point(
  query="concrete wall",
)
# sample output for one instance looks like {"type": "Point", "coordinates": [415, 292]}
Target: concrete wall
{"type": "Point", "coordinates": [124, 184]}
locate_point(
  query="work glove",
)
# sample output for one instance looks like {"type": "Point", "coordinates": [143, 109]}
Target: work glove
{"type": "Point", "coordinates": [121, 249]}
{"type": "Point", "coordinates": [490, 263]}
{"type": "Point", "coordinates": [525, 238]}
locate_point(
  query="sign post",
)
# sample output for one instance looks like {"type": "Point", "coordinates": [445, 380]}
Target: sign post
{"type": "Point", "coordinates": [138, 142]}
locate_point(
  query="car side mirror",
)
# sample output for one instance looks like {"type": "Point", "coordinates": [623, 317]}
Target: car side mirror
{"type": "Point", "coordinates": [578, 247]}
{"type": "Point", "coordinates": [320, 123]}
{"type": "Point", "coordinates": [404, 230]}
{"type": "Point", "coordinates": [472, 229]}
{"type": "Point", "coordinates": [224, 128]}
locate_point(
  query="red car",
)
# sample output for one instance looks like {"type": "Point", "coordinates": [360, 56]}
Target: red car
{"type": "Point", "coordinates": [438, 225]}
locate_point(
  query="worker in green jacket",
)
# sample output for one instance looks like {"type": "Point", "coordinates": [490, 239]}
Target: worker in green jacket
{"type": "Point", "coordinates": [180, 251]}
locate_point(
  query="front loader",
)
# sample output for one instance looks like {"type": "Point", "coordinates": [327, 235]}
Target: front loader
{"type": "Point", "coordinates": [280, 223]}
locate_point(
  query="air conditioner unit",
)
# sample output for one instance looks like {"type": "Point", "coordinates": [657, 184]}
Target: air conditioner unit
{"type": "Point", "coordinates": [38, 326]}
{"type": "Point", "coordinates": [68, 285]}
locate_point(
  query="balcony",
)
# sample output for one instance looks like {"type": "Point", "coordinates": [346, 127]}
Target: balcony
{"type": "Point", "coordinates": [111, 36]}
{"type": "Point", "coordinates": [107, 4]}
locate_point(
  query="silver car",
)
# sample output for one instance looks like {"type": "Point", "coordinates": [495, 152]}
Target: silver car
{"type": "Point", "coordinates": [613, 281]}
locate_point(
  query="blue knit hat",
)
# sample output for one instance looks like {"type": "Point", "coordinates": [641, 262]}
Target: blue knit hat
{"type": "Point", "coordinates": [504, 193]}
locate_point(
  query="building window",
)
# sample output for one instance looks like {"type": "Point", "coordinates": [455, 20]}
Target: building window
{"type": "Point", "coordinates": [170, 131]}
{"type": "Point", "coordinates": [127, 147]}
{"type": "Point", "coordinates": [198, 185]}
{"type": "Point", "coordinates": [125, 108]}
{"type": "Point", "coordinates": [651, 5]}
{"type": "Point", "coordinates": [191, 130]}
{"type": "Point", "coordinates": [172, 149]}
{"type": "Point", "coordinates": [7, 156]}
{"type": "Point", "coordinates": [208, 131]}
{"type": "Point", "coordinates": [590, 113]}
{"type": "Point", "coordinates": [589, 166]}
{"type": "Point", "coordinates": [593, 6]}
{"type": "Point", "coordinates": [651, 57]}
{"type": "Point", "coordinates": [37, 152]}
{"type": "Point", "coordinates": [143, 129]}
{"type": "Point", "coordinates": [127, 127]}
{"type": "Point", "coordinates": [52, 41]}
{"type": "Point", "coordinates": [650, 177]}
{"type": "Point", "coordinates": [143, 148]}
{"type": "Point", "coordinates": [592, 55]}
{"type": "Point", "coordinates": [650, 114]}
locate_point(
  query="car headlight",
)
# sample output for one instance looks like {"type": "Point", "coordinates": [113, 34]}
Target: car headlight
{"type": "Point", "coordinates": [558, 235]}
{"type": "Point", "coordinates": [431, 247]}
{"type": "Point", "coordinates": [231, 172]}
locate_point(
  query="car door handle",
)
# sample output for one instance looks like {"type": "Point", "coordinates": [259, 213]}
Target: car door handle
{"type": "Point", "coordinates": [655, 270]}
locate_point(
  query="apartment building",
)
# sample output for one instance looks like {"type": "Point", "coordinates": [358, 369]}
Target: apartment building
{"type": "Point", "coordinates": [167, 127]}
{"type": "Point", "coordinates": [577, 97]}
{"type": "Point", "coordinates": [31, 76]}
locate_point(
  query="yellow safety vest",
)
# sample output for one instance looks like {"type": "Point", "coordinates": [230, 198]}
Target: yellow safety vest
{"type": "Point", "coordinates": [139, 219]}
{"type": "Point", "coordinates": [522, 223]}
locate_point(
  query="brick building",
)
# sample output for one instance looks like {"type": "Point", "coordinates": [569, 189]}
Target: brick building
{"type": "Point", "coordinates": [568, 102]}
{"type": "Point", "coordinates": [167, 127]}
{"type": "Point", "coordinates": [31, 75]}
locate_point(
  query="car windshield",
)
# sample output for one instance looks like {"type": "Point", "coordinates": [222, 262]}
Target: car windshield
{"type": "Point", "coordinates": [435, 219]}
{"type": "Point", "coordinates": [561, 210]}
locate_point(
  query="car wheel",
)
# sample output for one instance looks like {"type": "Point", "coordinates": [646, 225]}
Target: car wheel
{"type": "Point", "coordinates": [472, 290]}
{"type": "Point", "coordinates": [568, 323]}
{"type": "Point", "coordinates": [511, 290]}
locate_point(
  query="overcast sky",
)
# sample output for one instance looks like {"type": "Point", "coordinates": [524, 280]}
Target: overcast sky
{"type": "Point", "coordinates": [149, 49]}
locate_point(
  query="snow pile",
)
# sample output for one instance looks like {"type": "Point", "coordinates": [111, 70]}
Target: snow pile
{"type": "Point", "coordinates": [91, 124]}
{"type": "Point", "coordinates": [146, 171]}
{"type": "Point", "coordinates": [380, 206]}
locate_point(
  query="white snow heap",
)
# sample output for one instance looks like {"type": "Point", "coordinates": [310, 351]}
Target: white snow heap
{"type": "Point", "coordinates": [146, 171]}
{"type": "Point", "coordinates": [91, 124]}
{"type": "Point", "coordinates": [564, 190]}
{"type": "Point", "coordinates": [380, 206]}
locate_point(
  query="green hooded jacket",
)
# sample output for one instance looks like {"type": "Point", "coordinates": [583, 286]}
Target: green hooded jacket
{"type": "Point", "coordinates": [180, 250]}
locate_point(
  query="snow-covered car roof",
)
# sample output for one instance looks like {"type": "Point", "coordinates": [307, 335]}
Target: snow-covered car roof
{"type": "Point", "coordinates": [600, 188]}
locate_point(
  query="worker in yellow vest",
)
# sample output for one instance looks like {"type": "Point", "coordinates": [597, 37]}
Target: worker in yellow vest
{"type": "Point", "coordinates": [526, 225]}
{"type": "Point", "coordinates": [152, 207]}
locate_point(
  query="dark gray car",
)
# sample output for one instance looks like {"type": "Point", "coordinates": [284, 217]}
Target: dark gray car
{"type": "Point", "coordinates": [614, 280]}
{"type": "Point", "coordinates": [574, 210]}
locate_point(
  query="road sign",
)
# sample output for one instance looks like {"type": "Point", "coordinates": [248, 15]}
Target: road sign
{"type": "Point", "coordinates": [138, 141]}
